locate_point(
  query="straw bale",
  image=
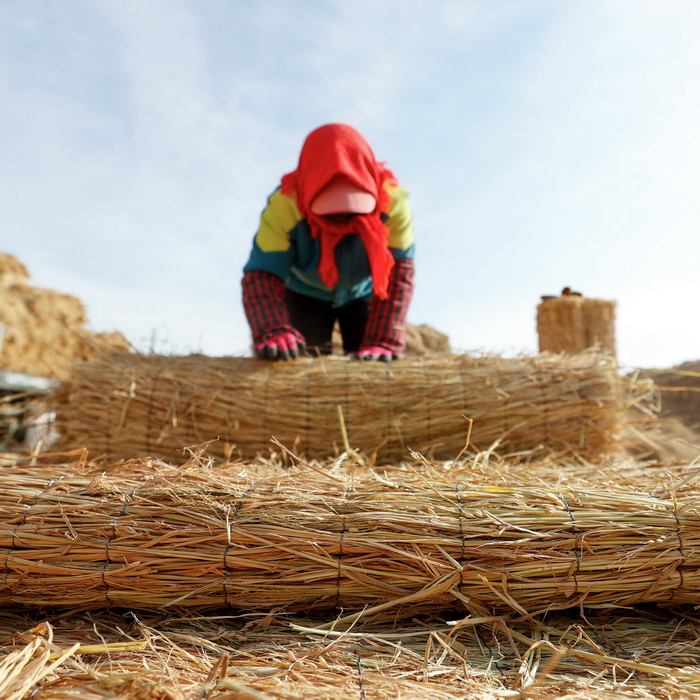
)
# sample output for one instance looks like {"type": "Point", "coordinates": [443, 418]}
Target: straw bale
{"type": "Point", "coordinates": [133, 405]}
{"type": "Point", "coordinates": [180, 655]}
{"type": "Point", "coordinates": [572, 324]}
{"type": "Point", "coordinates": [143, 535]}
{"type": "Point", "coordinates": [45, 330]}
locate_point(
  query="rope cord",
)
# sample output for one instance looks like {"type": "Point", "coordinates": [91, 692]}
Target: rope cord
{"type": "Point", "coordinates": [266, 401]}
{"type": "Point", "coordinates": [348, 493]}
{"type": "Point", "coordinates": [389, 405]}
{"type": "Point", "coordinates": [149, 414]}
{"type": "Point", "coordinates": [461, 536]}
{"type": "Point", "coordinates": [680, 548]}
{"type": "Point", "coordinates": [545, 416]}
{"type": "Point", "coordinates": [575, 532]}
{"type": "Point", "coordinates": [582, 405]}
{"type": "Point", "coordinates": [129, 499]}
{"type": "Point", "coordinates": [428, 416]}
{"type": "Point", "coordinates": [504, 413]}
{"type": "Point", "coordinates": [307, 427]}
{"type": "Point", "coordinates": [485, 643]}
{"type": "Point", "coordinates": [226, 568]}
{"type": "Point", "coordinates": [679, 568]}
{"type": "Point", "coordinates": [360, 682]}
{"type": "Point", "coordinates": [19, 524]}
{"type": "Point", "coordinates": [465, 411]}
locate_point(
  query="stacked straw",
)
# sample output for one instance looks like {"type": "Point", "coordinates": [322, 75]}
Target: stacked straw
{"type": "Point", "coordinates": [133, 405]}
{"type": "Point", "coordinates": [148, 536]}
{"type": "Point", "coordinates": [572, 324]}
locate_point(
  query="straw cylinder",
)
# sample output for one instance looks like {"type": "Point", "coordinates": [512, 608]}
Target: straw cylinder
{"type": "Point", "coordinates": [133, 405]}
{"type": "Point", "coordinates": [154, 537]}
{"type": "Point", "coordinates": [572, 324]}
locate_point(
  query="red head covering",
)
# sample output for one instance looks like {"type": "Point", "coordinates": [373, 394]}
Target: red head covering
{"type": "Point", "coordinates": [332, 152]}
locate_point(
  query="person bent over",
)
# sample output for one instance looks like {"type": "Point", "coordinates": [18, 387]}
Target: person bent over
{"type": "Point", "coordinates": [335, 242]}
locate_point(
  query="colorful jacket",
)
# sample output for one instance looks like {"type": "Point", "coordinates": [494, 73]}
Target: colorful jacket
{"type": "Point", "coordinates": [283, 246]}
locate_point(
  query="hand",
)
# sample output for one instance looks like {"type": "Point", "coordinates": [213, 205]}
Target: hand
{"type": "Point", "coordinates": [281, 346]}
{"type": "Point", "coordinates": [374, 352]}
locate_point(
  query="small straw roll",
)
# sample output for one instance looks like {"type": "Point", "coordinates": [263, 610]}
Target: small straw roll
{"type": "Point", "coordinates": [131, 405]}
{"type": "Point", "coordinates": [573, 324]}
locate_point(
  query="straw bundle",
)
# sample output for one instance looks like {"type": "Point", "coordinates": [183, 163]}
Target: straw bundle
{"type": "Point", "coordinates": [150, 537]}
{"type": "Point", "coordinates": [45, 330]}
{"type": "Point", "coordinates": [131, 405]}
{"type": "Point", "coordinates": [572, 324]}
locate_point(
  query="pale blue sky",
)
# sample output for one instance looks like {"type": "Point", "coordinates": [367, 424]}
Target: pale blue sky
{"type": "Point", "coordinates": [546, 143]}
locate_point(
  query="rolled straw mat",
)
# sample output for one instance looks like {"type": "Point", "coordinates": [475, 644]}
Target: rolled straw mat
{"type": "Point", "coordinates": [130, 405]}
{"type": "Point", "coordinates": [151, 536]}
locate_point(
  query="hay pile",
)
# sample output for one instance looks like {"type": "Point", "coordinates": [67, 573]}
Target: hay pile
{"type": "Point", "coordinates": [421, 341]}
{"type": "Point", "coordinates": [133, 405]}
{"type": "Point", "coordinates": [573, 323]}
{"type": "Point", "coordinates": [680, 392]}
{"type": "Point", "coordinates": [143, 535]}
{"type": "Point", "coordinates": [45, 331]}
{"type": "Point", "coordinates": [426, 341]}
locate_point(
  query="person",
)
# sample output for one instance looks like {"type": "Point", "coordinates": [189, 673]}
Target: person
{"type": "Point", "coordinates": [335, 242]}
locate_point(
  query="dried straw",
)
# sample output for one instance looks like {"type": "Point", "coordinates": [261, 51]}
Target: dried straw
{"type": "Point", "coordinates": [572, 324]}
{"type": "Point", "coordinates": [134, 405]}
{"type": "Point", "coordinates": [621, 654]}
{"type": "Point", "coordinates": [148, 536]}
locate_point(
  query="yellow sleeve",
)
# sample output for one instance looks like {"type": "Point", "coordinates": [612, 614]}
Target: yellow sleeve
{"type": "Point", "coordinates": [400, 221]}
{"type": "Point", "coordinates": [280, 216]}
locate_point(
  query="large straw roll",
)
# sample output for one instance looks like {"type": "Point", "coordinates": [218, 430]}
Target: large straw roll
{"type": "Point", "coordinates": [133, 405]}
{"type": "Point", "coordinates": [572, 324]}
{"type": "Point", "coordinates": [163, 537]}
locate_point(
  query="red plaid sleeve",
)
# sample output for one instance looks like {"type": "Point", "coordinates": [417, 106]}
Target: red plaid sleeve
{"type": "Point", "coordinates": [386, 326]}
{"type": "Point", "coordinates": [265, 306]}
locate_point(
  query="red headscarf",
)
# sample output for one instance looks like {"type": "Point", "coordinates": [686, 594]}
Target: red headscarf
{"type": "Point", "coordinates": [339, 150]}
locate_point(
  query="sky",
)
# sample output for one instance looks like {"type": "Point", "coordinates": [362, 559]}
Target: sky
{"type": "Point", "coordinates": [545, 143]}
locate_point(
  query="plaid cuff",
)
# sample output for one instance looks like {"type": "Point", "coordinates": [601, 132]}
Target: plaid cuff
{"type": "Point", "coordinates": [386, 326]}
{"type": "Point", "coordinates": [265, 305]}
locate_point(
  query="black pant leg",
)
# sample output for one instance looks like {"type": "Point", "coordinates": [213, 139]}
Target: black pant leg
{"type": "Point", "coordinates": [353, 320]}
{"type": "Point", "coordinates": [314, 319]}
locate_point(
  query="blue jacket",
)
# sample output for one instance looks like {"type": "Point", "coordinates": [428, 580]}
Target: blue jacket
{"type": "Point", "coordinates": [283, 246]}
